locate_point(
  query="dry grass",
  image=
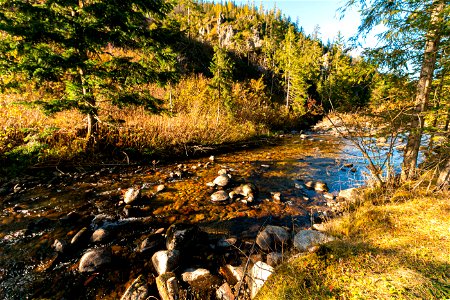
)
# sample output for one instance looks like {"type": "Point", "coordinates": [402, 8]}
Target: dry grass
{"type": "Point", "coordinates": [399, 250]}
{"type": "Point", "coordinates": [189, 118]}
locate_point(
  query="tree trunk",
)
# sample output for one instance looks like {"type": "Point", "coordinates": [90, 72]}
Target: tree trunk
{"type": "Point", "coordinates": [92, 113]}
{"type": "Point", "coordinates": [423, 92]}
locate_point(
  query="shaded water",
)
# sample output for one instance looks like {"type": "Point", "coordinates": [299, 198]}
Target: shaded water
{"type": "Point", "coordinates": [37, 210]}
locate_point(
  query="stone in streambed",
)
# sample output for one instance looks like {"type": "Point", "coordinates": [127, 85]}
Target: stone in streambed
{"type": "Point", "coordinates": [131, 195]}
{"type": "Point", "coordinates": [271, 236]}
{"type": "Point", "coordinates": [219, 196]}
{"type": "Point", "coordinates": [167, 285]}
{"type": "Point", "coordinates": [60, 246]}
{"type": "Point", "coordinates": [222, 180]}
{"type": "Point", "coordinates": [166, 260]}
{"type": "Point", "coordinates": [224, 292]}
{"type": "Point", "coordinates": [320, 186]}
{"type": "Point", "coordinates": [81, 237]}
{"type": "Point", "coordinates": [100, 235]}
{"type": "Point", "coordinates": [94, 259]}
{"type": "Point", "coordinates": [138, 290]}
{"type": "Point", "coordinates": [180, 236]}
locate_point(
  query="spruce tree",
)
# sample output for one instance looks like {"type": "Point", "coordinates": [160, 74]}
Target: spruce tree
{"type": "Point", "coordinates": [96, 50]}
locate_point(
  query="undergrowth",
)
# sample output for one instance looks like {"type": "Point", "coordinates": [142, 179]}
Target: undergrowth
{"type": "Point", "coordinates": [188, 118]}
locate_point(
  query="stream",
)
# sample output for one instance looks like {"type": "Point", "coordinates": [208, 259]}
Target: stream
{"type": "Point", "coordinates": [46, 206]}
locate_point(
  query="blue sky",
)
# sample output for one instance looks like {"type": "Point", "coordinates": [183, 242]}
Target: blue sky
{"type": "Point", "coordinates": [318, 12]}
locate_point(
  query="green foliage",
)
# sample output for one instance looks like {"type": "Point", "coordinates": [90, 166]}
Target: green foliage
{"type": "Point", "coordinates": [88, 47]}
{"type": "Point", "coordinates": [222, 70]}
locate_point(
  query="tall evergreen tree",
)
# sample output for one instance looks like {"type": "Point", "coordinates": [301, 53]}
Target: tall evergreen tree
{"type": "Point", "coordinates": [412, 37]}
{"type": "Point", "coordinates": [221, 83]}
{"type": "Point", "coordinates": [97, 50]}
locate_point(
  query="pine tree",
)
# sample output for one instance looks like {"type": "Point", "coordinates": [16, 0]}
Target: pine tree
{"type": "Point", "coordinates": [413, 34]}
{"type": "Point", "coordinates": [221, 83]}
{"type": "Point", "coordinates": [97, 50]}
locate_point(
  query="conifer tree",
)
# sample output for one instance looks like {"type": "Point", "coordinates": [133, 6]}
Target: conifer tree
{"type": "Point", "coordinates": [96, 50]}
{"type": "Point", "coordinates": [413, 35]}
{"type": "Point", "coordinates": [221, 83]}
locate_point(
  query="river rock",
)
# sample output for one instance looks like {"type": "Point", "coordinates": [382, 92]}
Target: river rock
{"type": "Point", "coordinates": [306, 239]}
{"type": "Point", "coordinates": [222, 172]}
{"type": "Point", "coordinates": [191, 275]}
{"type": "Point", "coordinates": [160, 188]}
{"type": "Point", "coordinates": [274, 258]}
{"type": "Point", "coordinates": [309, 185]}
{"type": "Point", "coordinates": [82, 237]}
{"type": "Point", "coordinates": [220, 196]}
{"type": "Point", "coordinates": [138, 290]}
{"type": "Point", "coordinates": [320, 186]}
{"type": "Point", "coordinates": [276, 196]}
{"type": "Point", "coordinates": [99, 236]}
{"type": "Point", "coordinates": [151, 243]}
{"type": "Point", "coordinates": [222, 180]}
{"type": "Point", "coordinates": [270, 236]}
{"type": "Point", "coordinates": [165, 260]}
{"type": "Point", "coordinates": [94, 259]}
{"type": "Point", "coordinates": [224, 292]}
{"type": "Point", "coordinates": [328, 196]}
{"type": "Point", "coordinates": [179, 236]}
{"type": "Point", "coordinates": [247, 190]}
{"type": "Point", "coordinates": [167, 285]}
{"type": "Point", "coordinates": [131, 195]}
{"type": "Point", "coordinates": [59, 245]}
{"type": "Point", "coordinates": [71, 217]}
{"type": "Point", "coordinates": [351, 194]}
{"type": "Point", "coordinates": [259, 275]}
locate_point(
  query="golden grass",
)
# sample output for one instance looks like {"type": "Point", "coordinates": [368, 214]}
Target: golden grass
{"type": "Point", "coordinates": [399, 250]}
{"type": "Point", "coordinates": [189, 118]}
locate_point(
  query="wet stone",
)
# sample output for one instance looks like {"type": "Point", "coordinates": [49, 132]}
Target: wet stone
{"type": "Point", "coordinates": [82, 237]}
{"type": "Point", "coordinates": [179, 236]}
{"type": "Point", "coordinates": [94, 259]}
{"type": "Point", "coordinates": [131, 195]}
{"type": "Point", "coordinates": [320, 186]}
{"type": "Point", "coordinates": [151, 243]}
{"type": "Point", "coordinates": [167, 285]}
{"type": "Point", "coordinates": [138, 290]}
{"type": "Point", "coordinates": [99, 236]}
{"type": "Point", "coordinates": [160, 188]}
{"type": "Point", "coordinates": [219, 196]}
{"type": "Point", "coordinates": [59, 245]}
{"type": "Point", "coordinates": [222, 180]}
{"type": "Point", "coordinates": [165, 260]}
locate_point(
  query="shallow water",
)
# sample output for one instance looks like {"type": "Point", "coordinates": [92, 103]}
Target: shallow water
{"type": "Point", "coordinates": [36, 214]}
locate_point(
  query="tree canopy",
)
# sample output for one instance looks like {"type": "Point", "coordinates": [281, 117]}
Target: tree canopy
{"type": "Point", "coordinates": [88, 49]}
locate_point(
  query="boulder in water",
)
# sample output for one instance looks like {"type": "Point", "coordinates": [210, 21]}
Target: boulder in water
{"type": "Point", "coordinates": [94, 259]}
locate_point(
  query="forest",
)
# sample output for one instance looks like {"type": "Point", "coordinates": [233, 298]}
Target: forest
{"type": "Point", "coordinates": [91, 88]}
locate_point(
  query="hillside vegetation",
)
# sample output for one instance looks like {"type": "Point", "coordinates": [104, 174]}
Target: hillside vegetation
{"type": "Point", "coordinates": [228, 73]}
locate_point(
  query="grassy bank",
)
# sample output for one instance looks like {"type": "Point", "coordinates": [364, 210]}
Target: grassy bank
{"type": "Point", "coordinates": [395, 250]}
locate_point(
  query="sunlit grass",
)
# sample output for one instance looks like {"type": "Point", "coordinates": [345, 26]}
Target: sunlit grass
{"type": "Point", "coordinates": [399, 250]}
